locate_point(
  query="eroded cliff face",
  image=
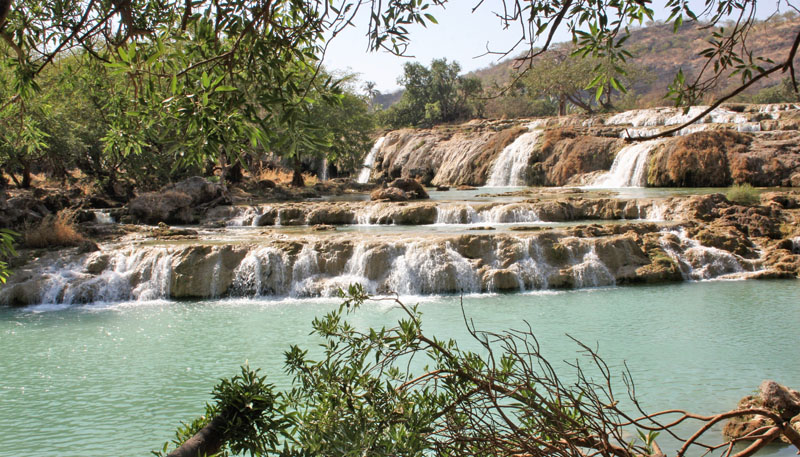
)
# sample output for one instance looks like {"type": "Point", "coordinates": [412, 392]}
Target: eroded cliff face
{"type": "Point", "coordinates": [756, 144]}
{"type": "Point", "coordinates": [707, 237]}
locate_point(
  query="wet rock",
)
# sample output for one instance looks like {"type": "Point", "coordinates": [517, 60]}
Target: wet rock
{"type": "Point", "coordinates": [411, 187]}
{"type": "Point", "coordinates": [753, 221]}
{"type": "Point", "coordinates": [323, 228]}
{"type": "Point", "coordinates": [424, 214]}
{"type": "Point", "coordinates": [96, 263]}
{"type": "Point", "coordinates": [500, 280]}
{"type": "Point", "coordinates": [775, 397]}
{"type": "Point", "coordinates": [392, 194]}
{"type": "Point", "coordinates": [290, 216]}
{"type": "Point", "coordinates": [332, 215]}
{"type": "Point", "coordinates": [726, 238]}
{"type": "Point", "coordinates": [170, 207]}
{"type": "Point", "coordinates": [23, 293]}
{"type": "Point", "coordinates": [86, 246]}
{"type": "Point", "coordinates": [204, 271]}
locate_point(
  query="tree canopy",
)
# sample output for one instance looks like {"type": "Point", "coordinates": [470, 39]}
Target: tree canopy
{"type": "Point", "coordinates": [434, 95]}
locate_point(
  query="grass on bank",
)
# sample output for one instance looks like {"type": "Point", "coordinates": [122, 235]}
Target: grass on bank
{"type": "Point", "coordinates": [54, 230]}
{"type": "Point", "coordinates": [743, 194]}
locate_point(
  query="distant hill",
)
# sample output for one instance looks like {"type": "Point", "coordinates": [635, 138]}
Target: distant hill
{"type": "Point", "coordinates": [662, 52]}
{"type": "Point", "coordinates": [386, 100]}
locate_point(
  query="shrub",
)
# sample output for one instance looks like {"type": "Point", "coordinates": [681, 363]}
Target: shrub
{"type": "Point", "coordinates": [743, 194]}
{"type": "Point", "coordinates": [54, 230]}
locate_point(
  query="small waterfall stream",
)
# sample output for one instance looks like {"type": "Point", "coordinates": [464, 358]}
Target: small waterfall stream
{"type": "Point", "coordinates": [629, 168]}
{"type": "Point", "coordinates": [510, 168]}
{"type": "Point", "coordinates": [369, 161]}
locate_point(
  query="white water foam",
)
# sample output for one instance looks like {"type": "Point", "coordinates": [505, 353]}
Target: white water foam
{"type": "Point", "coordinates": [465, 214]}
{"type": "Point", "coordinates": [369, 161]}
{"type": "Point", "coordinates": [697, 262]}
{"type": "Point", "coordinates": [629, 168]}
{"type": "Point", "coordinates": [510, 168]}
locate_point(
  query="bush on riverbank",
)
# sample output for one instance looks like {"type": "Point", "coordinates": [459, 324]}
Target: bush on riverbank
{"type": "Point", "coordinates": [54, 230]}
{"type": "Point", "coordinates": [743, 194]}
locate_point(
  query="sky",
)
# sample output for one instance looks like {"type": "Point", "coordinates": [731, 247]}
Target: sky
{"type": "Point", "coordinates": [460, 36]}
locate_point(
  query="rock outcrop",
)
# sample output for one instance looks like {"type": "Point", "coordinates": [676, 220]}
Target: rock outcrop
{"type": "Point", "coordinates": [734, 144]}
{"type": "Point", "coordinates": [704, 242]}
{"type": "Point", "coordinates": [179, 203]}
{"type": "Point", "coordinates": [771, 396]}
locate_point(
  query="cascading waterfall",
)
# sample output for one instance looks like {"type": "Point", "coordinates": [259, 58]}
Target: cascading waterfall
{"type": "Point", "coordinates": [103, 217]}
{"type": "Point", "coordinates": [629, 168]}
{"type": "Point", "coordinates": [369, 161]}
{"type": "Point", "coordinates": [698, 262]}
{"type": "Point", "coordinates": [510, 168]}
{"type": "Point", "coordinates": [655, 117]}
{"type": "Point", "coordinates": [412, 266]}
{"type": "Point", "coordinates": [463, 214]}
{"type": "Point", "coordinates": [323, 170]}
{"type": "Point", "coordinates": [138, 274]}
{"type": "Point", "coordinates": [262, 272]}
{"type": "Point", "coordinates": [425, 269]}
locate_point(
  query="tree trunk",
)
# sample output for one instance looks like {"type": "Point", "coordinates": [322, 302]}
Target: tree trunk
{"type": "Point", "coordinates": [26, 177]}
{"type": "Point", "coordinates": [234, 174]}
{"type": "Point", "coordinates": [207, 441]}
{"type": "Point", "coordinates": [5, 8]}
{"type": "Point", "coordinates": [562, 105]}
{"type": "Point", "coordinates": [297, 176]}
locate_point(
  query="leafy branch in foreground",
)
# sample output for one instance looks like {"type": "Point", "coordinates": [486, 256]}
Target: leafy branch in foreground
{"type": "Point", "coordinates": [6, 250]}
{"type": "Point", "coordinates": [364, 397]}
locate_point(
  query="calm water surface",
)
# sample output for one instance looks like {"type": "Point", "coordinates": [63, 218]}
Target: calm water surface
{"type": "Point", "coordinates": [115, 380]}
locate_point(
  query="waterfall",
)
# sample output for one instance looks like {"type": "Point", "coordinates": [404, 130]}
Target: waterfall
{"type": "Point", "coordinates": [426, 269]}
{"type": "Point", "coordinates": [262, 272]}
{"type": "Point", "coordinates": [408, 265]}
{"type": "Point", "coordinates": [103, 217]}
{"type": "Point", "coordinates": [629, 168]}
{"type": "Point", "coordinates": [510, 168]}
{"type": "Point", "coordinates": [511, 213]}
{"type": "Point", "coordinates": [698, 262]}
{"type": "Point", "coordinates": [369, 161]}
{"type": "Point", "coordinates": [323, 170]}
{"type": "Point", "coordinates": [136, 274]}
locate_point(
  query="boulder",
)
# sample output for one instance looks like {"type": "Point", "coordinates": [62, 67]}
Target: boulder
{"type": "Point", "coordinates": [204, 271]}
{"type": "Point", "coordinates": [411, 187]}
{"type": "Point", "coordinates": [415, 214]}
{"type": "Point", "coordinates": [392, 194]}
{"type": "Point", "coordinates": [178, 203]}
{"type": "Point", "coordinates": [201, 191]}
{"type": "Point", "coordinates": [170, 207]}
{"type": "Point", "coordinates": [503, 279]}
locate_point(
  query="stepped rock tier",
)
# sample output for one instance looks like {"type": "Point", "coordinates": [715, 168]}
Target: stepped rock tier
{"type": "Point", "coordinates": [756, 144]}
{"type": "Point", "coordinates": [314, 248]}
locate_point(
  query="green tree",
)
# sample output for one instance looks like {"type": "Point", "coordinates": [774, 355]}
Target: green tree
{"type": "Point", "coordinates": [563, 78]}
{"type": "Point", "coordinates": [6, 251]}
{"type": "Point", "coordinates": [566, 78]}
{"type": "Point", "coordinates": [196, 60]}
{"type": "Point", "coordinates": [434, 95]}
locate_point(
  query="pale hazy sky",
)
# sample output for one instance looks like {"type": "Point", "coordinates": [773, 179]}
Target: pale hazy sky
{"type": "Point", "coordinates": [460, 36]}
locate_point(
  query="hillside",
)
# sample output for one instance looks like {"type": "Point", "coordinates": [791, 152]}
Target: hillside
{"type": "Point", "coordinates": [662, 53]}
